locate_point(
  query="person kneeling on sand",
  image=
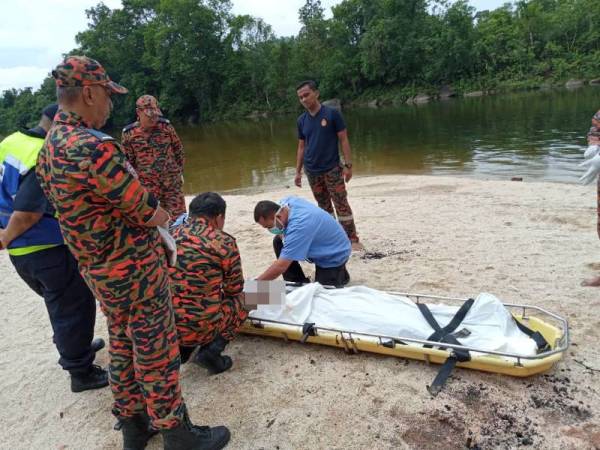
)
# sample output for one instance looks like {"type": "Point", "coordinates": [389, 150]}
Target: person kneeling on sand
{"type": "Point", "coordinates": [207, 284]}
{"type": "Point", "coordinates": [304, 232]}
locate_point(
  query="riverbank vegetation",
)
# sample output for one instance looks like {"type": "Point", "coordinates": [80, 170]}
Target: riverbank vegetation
{"type": "Point", "coordinates": [205, 63]}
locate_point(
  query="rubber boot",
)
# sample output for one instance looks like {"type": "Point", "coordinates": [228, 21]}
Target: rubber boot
{"type": "Point", "coordinates": [136, 431]}
{"type": "Point", "coordinates": [209, 356]}
{"type": "Point", "coordinates": [188, 436]}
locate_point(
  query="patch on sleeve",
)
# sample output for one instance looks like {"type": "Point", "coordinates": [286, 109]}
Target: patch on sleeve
{"type": "Point", "coordinates": [130, 169]}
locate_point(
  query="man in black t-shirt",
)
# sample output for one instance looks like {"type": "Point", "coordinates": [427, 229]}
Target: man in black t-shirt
{"type": "Point", "coordinates": [320, 131]}
{"type": "Point", "coordinates": [30, 233]}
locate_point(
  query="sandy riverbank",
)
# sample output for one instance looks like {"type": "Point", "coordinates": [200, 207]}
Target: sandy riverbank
{"type": "Point", "coordinates": [524, 242]}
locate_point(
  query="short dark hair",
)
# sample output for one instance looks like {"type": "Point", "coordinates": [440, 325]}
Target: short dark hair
{"type": "Point", "coordinates": [207, 204]}
{"type": "Point", "coordinates": [312, 84]}
{"type": "Point", "coordinates": [265, 208]}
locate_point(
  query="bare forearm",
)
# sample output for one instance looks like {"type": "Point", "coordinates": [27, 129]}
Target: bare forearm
{"type": "Point", "coordinates": [275, 270]}
{"type": "Point", "coordinates": [346, 150]}
{"type": "Point", "coordinates": [18, 224]}
{"type": "Point", "coordinates": [300, 158]}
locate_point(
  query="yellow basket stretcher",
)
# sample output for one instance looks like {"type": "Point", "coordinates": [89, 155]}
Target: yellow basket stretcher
{"type": "Point", "coordinates": [552, 327]}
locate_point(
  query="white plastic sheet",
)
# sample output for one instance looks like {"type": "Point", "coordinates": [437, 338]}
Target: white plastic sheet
{"type": "Point", "coordinates": [361, 309]}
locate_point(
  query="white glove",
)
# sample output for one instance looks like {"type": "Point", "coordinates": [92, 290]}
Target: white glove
{"type": "Point", "coordinates": [593, 168]}
{"type": "Point", "coordinates": [591, 151]}
{"type": "Point", "coordinates": [169, 245]}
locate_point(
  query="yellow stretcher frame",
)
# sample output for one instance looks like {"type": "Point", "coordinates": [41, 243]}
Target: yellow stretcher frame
{"type": "Point", "coordinates": [553, 327]}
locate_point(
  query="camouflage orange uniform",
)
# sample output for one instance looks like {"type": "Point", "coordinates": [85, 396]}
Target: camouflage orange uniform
{"type": "Point", "coordinates": [207, 283]}
{"type": "Point", "coordinates": [157, 156]}
{"type": "Point", "coordinates": [328, 188]}
{"type": "Point", "coordinates": [102, 208]}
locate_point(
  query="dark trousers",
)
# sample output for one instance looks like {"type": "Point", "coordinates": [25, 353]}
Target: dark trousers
{"type": "Point", "coordinates": [53, 274]}
{"type": "Point", "coordinates": [330, 276]}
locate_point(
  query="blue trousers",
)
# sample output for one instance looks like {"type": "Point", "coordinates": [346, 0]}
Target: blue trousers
{"type": "Point", "coordinates": [53, 274]}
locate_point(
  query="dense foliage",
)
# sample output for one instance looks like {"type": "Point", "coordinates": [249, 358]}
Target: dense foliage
{"type": "Point", "coordinates": [204, 63]}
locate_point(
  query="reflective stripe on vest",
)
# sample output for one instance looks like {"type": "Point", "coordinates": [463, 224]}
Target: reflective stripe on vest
{"type": "Point", "coordinates": [18, 155]}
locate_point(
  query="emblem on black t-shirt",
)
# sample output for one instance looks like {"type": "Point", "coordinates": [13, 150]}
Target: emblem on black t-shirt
{"type": "Point", "coordinates": [323, 122]}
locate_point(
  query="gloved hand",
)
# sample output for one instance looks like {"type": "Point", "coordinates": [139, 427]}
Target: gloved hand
{"type": "Point", "coordinates": [593, 168]}
{"type": "Point", "coordinates": [591, 151]}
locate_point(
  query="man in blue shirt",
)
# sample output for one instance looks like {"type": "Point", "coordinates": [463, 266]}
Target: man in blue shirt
{"type": "Point", "coordinates": [304, 232]}
{"type": "Point", "coordinates": [320, 131]}
{"type": "Point", "coordinates": [30, 233]}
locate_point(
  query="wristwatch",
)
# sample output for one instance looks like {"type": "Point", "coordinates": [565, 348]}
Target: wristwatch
{"type": "Point", "coordinates": [348, 165]}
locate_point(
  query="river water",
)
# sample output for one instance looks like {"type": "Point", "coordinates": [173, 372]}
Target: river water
{"type": "Point", "coordinates": [534, 135]}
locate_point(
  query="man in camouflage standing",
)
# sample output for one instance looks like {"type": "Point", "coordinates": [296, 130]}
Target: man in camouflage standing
{"type": "Point", "coordinates": [321, 130]}
{"type": "Point", "coordinates": [109, 221]}
{"type": "Point", "coordinates": [207, 284]}
{"type": "Point", "coordinates": [155, 151]}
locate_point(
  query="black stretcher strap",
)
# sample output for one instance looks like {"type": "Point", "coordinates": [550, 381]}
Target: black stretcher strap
{"type": "Point", "coordinates": [540, 341]}
{"type": "Point", "coordinates": [440, 334]}
{"type": "Point", "coordinates": [445, 335]}
{"type": "Point", "coordinates": [442, 376]}
{"type": "Point", "coordinates": [308, 329]}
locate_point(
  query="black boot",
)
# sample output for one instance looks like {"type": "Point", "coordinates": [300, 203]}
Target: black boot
{"type": "Point", "coordinates": [209, 356]}
{"type": "Point", "coordinates": [136, 431]}
{"type": "Point", "coordinates": [185, 353]}
{"type": "Point", "coordinates": [95, 378]}
{"type": "Point", "coordinates": [188, 436]}
{"type": "Point", "coordinates": [97, 344]}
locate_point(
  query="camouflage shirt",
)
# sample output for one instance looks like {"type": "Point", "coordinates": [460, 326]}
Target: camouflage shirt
{"type": "Point", "coordinates": [156, 155]}
{"type": "Point", "coordinates": [102, 209]}
{"type": "Point", "coordinates": [206, 283]}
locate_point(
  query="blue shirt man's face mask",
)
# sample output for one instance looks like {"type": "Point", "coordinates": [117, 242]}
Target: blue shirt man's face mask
{"type": "Point", "coordinates": [277, 229]}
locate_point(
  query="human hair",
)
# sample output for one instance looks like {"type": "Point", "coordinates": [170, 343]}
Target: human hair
{"type": "Point", "coordinates": [67, 95]}
{"type": "Point", "coordinates": [207, 204]}
{"type": "Point", "coordinates": [312, 84]}
{"type": "Point", "coordinates": [265, 208]}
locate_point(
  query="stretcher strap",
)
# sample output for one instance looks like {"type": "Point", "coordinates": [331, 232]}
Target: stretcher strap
{"type": "Point", "coordinates": [308, 329]}
{"type": "Point", "coordinates": [540, 341]}
{"type": "Point", "coordinates": [444, 335]}
{"type": "Point", "coordinates": [442, 376]}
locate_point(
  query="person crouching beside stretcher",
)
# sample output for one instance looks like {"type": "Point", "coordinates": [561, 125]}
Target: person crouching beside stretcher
{"type": "Point", "coordinates": [207, 284]}
{"type": "Point", "coordinates": [304, 231]}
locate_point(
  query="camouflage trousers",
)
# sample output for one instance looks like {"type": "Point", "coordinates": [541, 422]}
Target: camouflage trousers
{"type": "Point", "coordinates": [171, 196]}
{"type": "Point", "coordinates": [144, 360]}
{"type": "Point", "coordinates": [197, 326]}
{"type": "Point", "coordinates": [328, 188]}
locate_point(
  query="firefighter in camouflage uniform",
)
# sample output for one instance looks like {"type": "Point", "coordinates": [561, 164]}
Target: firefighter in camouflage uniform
{"type": "Point", "coordinates": [156, 153]}
{"type": "Point", "coordinates": [207, 284]}
{"type": "Point", "coordinates": [109, 221]}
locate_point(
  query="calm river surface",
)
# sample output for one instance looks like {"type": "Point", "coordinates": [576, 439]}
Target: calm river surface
{"type": "Point", "coordinates": [536, 135]}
